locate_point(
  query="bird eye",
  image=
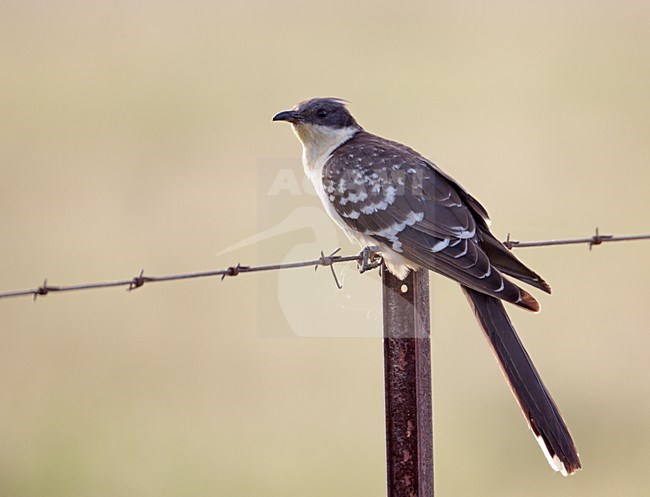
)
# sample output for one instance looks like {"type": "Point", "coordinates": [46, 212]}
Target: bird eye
{"type": "Point", "coordinates": [321, 113]}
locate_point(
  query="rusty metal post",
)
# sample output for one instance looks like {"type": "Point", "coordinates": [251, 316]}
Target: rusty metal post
{"type": "Point", "coordinates": [407, 376]}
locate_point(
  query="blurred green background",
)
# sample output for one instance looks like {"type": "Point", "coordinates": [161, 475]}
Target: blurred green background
{"type": "Point", "coordinates": [138, 135]}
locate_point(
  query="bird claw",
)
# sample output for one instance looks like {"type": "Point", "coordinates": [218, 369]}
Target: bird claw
{"type": "Point", "coordinates": [370, 259]}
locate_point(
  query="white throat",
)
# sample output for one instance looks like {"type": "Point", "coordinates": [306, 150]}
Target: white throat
{"type": "Point", "coordinates": [318, 143]}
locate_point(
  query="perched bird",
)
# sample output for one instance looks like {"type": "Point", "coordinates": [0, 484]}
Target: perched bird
{"type": "Point", "coordinates": [401, 206]}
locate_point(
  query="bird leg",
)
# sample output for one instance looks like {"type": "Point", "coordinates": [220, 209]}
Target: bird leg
{"type": "Point", "coordinates": [370, 259]}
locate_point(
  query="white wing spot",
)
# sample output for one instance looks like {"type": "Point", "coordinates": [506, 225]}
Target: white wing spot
{"type": "Point", "coordinates": [463, 233]}
{"type": "Point", "coordinates": [351, 215]}
{"type": "Point", "coordinates": [390, 194]}
{"type": "Point", "coordinates": [464, 252]}
{"type": "Point", "coordinates": [442, 244]}
{"type": "Point", "coordinates": [372, 208]}
{"type": "Point", "coordinates": [353, 197]}
{"type": "Point", "coordinates": [418, 216]}
{"type": "Point", "coordinates": [488, 273]}
{"type": "Point", "coordinates": [392, 231]}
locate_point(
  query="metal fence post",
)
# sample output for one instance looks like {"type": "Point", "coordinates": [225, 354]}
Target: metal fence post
{"type": "Point", "coordinates": [407, 374]}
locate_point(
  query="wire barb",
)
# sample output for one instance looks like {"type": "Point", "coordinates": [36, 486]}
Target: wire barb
{"type": "Point", "coordinates": [323, 260]}
{"type": "Point", "coordinates": [597, 239]}
{"type": "Point", "coordinates": [41, 290]}
{"type": "Point", "coordinates": [234, 270]}
{"type": "Point", "coordinates": [137, 281]}
{"type": "Point", "coordinates": [328, 261]}
{"type": "Point", "coordinates": [508, 242]}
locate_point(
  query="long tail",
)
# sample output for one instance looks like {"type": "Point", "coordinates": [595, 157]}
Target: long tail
{"type": "Point", "coordinates": [543, 416]}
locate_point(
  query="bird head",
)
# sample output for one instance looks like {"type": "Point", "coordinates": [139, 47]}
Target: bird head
{"type": "Point", "coordinates": [320, 123]}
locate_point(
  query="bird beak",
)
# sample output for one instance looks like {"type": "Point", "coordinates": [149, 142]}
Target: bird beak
{"type": "Point", "coordinates": [290, 116]}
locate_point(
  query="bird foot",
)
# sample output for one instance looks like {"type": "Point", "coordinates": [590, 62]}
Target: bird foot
{"type": "Point", "coordinates": [370, 259]}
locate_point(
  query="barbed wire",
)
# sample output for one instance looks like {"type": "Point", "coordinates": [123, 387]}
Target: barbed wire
{"type": "Point", "coordinates": [595, 239]}
{"type": "Point", "coordinates": [323, 260]}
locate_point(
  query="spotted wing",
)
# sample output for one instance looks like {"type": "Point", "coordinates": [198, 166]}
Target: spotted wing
{"type": "Point", "coordinates": [390, 193]}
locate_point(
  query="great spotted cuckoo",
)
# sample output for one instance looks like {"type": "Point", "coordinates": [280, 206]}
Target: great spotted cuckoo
{"type": "Point", "coordinates": [386, 196]}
